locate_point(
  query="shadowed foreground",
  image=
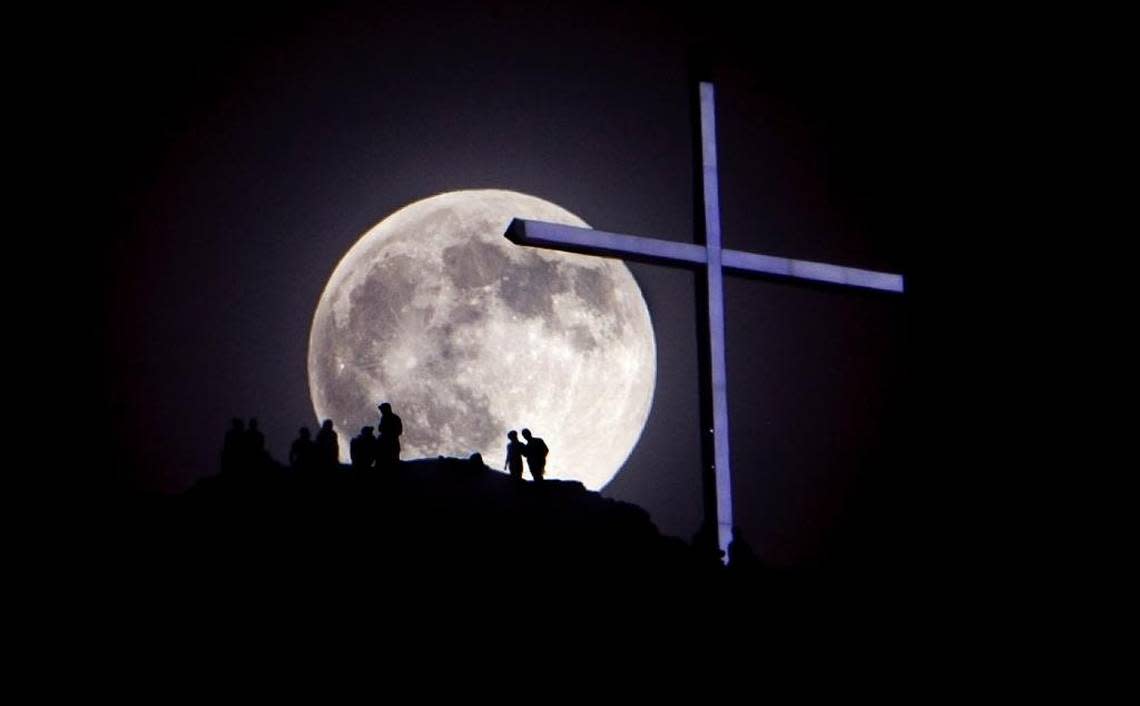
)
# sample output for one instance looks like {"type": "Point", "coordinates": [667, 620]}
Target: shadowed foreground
{"type": "Point", "coordinates": [441, 543]}
{"type": "Point", "coordinates": [439, 519]}
{"type": "Point", "coordinates": [438, 525]}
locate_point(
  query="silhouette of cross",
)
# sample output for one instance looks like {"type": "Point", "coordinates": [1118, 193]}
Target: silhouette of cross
{"type": "Point", "coordinates": [714, 261]}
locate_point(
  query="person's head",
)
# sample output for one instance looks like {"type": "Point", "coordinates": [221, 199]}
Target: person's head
{"type": "Point", "coordinates": [327, 426]}
{"type": "Point", "coordinates": [385, 408]}
{"type": "Point", "coordinates": [253, 423]}
{"type": "Point", "coordinates": [367, 431]}
{"type": "Point", "coordinates": [512, 435]}
{"type": "Point", "coordinates": [526, 434]}
{"type": "Point", "coordinates": [304, 432]}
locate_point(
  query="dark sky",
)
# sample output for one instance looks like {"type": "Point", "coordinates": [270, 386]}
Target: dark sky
{"type": "Point", "coordinates": [231, 157]}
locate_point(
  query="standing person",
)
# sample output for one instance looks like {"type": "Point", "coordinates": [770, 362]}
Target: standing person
{"type": "Point", "coordinates": [254, 445]}
{"type": "Point", "coordinates": [301, 452]}
{"type": "Point", "coordinates": [515, 450]}
{"type": "Point", "coordinates": [388, 447]}
{"type": "Point", "coordinates": [328, 449]}
{"type": "Point", "coordinates": [362, 450]}
{"type": "Point", "coordinates": [535, 453]}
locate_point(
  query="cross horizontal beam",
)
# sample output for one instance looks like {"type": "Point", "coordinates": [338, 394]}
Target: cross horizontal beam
{"type": "Point", "coordinates": [586, 241]}
{"type": "Point", "coordinates": [556, 236]}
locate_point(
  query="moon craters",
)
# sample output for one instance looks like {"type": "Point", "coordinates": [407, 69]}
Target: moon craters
{"type": "Point", "coordinates": [469, 336]}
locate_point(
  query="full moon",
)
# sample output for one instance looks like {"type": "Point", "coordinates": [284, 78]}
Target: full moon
{"type": "Point", "coordinates": [469, 336]}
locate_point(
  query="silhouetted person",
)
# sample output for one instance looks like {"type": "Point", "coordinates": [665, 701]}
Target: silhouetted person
{"type": "Point", "coordinates": [535, 452]}
{"type": "Point", "coordinates": [390, 429]}
{"type": "Point", "coordinates": [232, 446]}
{"type": "Point", "coordinates": [254, 446]}
{"type": "Point", "coordinates": [362, 449]}
{"type": "Point", "coordinates": [302, 451]}
{"type": "Point", "coordinates": [328, 449]}
{"type": "Point", "coordinates": [515, 451]}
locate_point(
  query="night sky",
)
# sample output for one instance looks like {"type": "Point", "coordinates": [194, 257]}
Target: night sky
{"type": "Point", "coordinates": [230, 158]}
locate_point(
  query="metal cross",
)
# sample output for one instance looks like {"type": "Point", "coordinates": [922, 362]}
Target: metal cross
{"type": "Point", "coordinates": [714, 261]}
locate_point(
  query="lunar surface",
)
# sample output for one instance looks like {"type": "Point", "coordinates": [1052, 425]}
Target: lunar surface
{"type": "Point", "coordinates": [469, 336]}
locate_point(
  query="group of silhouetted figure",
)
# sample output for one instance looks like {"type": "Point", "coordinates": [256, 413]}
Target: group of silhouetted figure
{"type": "Point", "coordinates": [534, 451]}
{"type": "Point", "coordinates": [244, 448]}
{"type": "Point", "coordinates": [381, 451]}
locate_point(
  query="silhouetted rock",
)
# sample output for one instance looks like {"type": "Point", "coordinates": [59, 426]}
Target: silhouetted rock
{"type": "Point", "coordinates": [447, 540]}
{"type": "Point", "coordinates": [450, 528]}
{"type": "Point", "coordinates": [443, 515]}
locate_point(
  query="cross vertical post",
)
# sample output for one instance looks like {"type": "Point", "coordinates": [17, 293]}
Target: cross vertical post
{"type": "Point", "coordinates": [714, 277]}
{"type": "Point", "coordinates": [710, 260]}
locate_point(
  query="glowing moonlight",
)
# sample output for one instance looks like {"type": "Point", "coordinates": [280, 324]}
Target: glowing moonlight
{"type": "Point", "coordinates": [469, 336]}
